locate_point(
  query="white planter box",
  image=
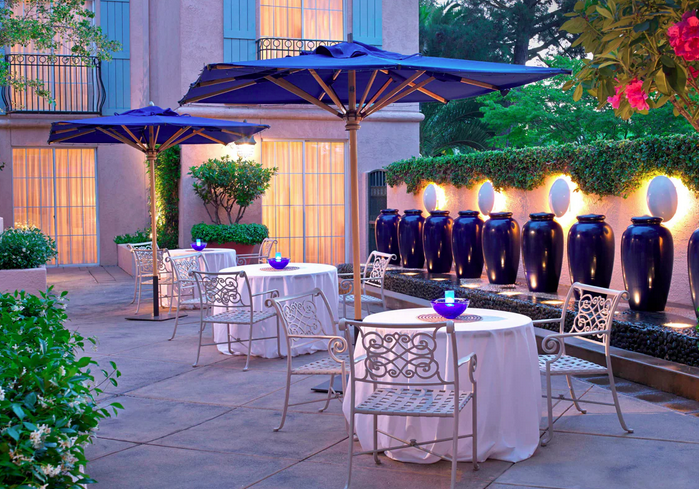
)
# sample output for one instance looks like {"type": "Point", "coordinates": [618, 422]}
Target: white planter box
{"type": "Point", "coordinates": [125, 259]}
{"type": "Point", "coordinates": [31, 280]}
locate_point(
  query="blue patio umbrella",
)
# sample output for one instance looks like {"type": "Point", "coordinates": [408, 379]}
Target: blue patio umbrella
{"type": "Point", "coordinates": [152, 130]}
{"type": "Point", "coordinates": [352, 81]}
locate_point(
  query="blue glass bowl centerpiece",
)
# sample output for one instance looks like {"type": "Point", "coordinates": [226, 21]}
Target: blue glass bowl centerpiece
{"type": "Point", "coordinates": [450, 310]}
{"type": "Point", "coordinates": [198, 245]}
{"type": "Point", "coordinates": [278, 263]}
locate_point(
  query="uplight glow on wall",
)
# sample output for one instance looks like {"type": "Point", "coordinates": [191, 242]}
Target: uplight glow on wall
{"type": "Point", "coordinates": [434, 198]}
{"type": "Point", "coordinates": [489, 200]}
{"type": "Point", "coordinates": [668, 197]}
{"type": "Point", "coordinates": [565, 201]}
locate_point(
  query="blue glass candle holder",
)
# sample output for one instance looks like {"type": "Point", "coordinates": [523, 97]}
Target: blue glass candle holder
{"type": "Point", "coordinates": [278, 263]}
{"type": "Point", "coordinates": [450, 310]}
{"type": "Point", "coordinates": [198, 246]}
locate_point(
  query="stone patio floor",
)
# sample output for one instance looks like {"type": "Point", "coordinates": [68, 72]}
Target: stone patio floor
{"type": "Point", "coordinates": [211, 426]}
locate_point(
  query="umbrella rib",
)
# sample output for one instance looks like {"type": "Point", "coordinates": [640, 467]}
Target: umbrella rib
{"type": "Point", "coordinates": [166, 144]}
{"type": "Point", "coordinates": [65, 138]}
{"type": "Point", "coordinates": [331, 93]}
{"type": "Point", "coordinates": [335, 75]}
{"type": "Point", "coordinates": [398, 96]}
{"type": "Point", "coordinates": [151, 139]}
{"type": "Point", "coordinates": [479, 84]}
{"type": "Point", "coordinates": [368, 87]}
{"type": "Point", "coordinates": [137, 141]}
{"type": "Point", "coordinates": [352, 95]}
{"type": "Point", "coordinates": [233, 133]}
{"type": "Point", "coordinates": [157, 133]}
{"type": "Point", "coordinates": [121, 138]}
{"type": "Point", "coordinates": [426, 92]}
{"type": "Point", "coordinates": [211, 138]}
{"type": "Point", "coordinates": [215, 82]}
{"type": "Point", "coordinates": [196, 132]}
{"type": "Point", "coordinates": [397, 89]}
{"type": "Point", "coordinates": [219, 92]}
{"type": "Point", "coordinates": [379, 92]}
{"type": "Point", "coordinates": [290, 87]}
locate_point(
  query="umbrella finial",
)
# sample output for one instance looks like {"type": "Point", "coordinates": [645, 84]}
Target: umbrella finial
{"type": "Point", "coordinates": [151, 103]}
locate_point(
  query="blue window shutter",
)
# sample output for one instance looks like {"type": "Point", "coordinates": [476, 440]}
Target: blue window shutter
{"type": "Point", "coordinates": [239, 32]}
{"type": "Point", "coordinates": [116, 74]}
{"type": "Point", "coordinates": [366, 22]}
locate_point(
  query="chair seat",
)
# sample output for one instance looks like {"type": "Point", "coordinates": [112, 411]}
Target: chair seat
{"type": "Point", "coordinates": [349, 299]}
{"type": "Point", "coordinates": [239, 317]}
{"type": "Point", "coordinates": [569, 365]}
{"type": "Point", "coordinates": [194, 301]}
{"type": "Point", "coordinates": [326, 366]}
{"type": "Point", "coordinates": [412, 402]}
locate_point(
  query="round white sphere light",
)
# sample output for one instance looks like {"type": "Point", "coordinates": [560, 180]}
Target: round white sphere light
{"type": "Point", "coordinates": [429, 197]}
{"type": "Point", "coordinates": [559, 197]}
{"type": "Point", "coordinates": [486, 198]}
{"type": "Point", "coordinates": [662, 198]}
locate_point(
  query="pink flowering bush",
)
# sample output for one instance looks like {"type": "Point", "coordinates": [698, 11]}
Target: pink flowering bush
{"type": "Point", "coordinates": [633, 92]}
{"type": "Point", "coordinates": [684, 36]}
{"type": "Point", "coordinates": [48, 408]}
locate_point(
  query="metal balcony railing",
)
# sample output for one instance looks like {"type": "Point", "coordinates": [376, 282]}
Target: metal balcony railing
{"type": "Point", "coordinates": [74, 82]}
{"type": "Point", "coordinates": [279, 47]}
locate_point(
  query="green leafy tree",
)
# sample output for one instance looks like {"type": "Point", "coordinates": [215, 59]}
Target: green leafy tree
{"type": "Point", "coordinates": [642, 55]}
{"type": "Point", "coordinates": [222, 184]}
{"type": "Point", "coordinates": [48, 26]}
{"type": "Point", "coordinates": [542, 114]}
{"type": "Point", "coordinates": [456, 127]}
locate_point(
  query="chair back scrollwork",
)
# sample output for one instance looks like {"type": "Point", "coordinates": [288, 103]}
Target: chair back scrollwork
{"type": "Point", "coordinates": [376, 266]}
{"type": "Point", "coordinates": [229, 289]}
{"type": "Point", "coordinates": [266, 247]}
{"type": "Point", "coordinates": [595, 308]}
{"type": "Point", "coordinates": [144, 260]}
{"type": "Point", "coordinates": [184, 266]}
{"type": "Point", "coordinates": [299, 314]}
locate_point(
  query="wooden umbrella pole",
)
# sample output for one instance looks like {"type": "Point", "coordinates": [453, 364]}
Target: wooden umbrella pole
{"type": "Point", "coordinates": [151, 156]}
{"type": "Point", "coordinates": [352, 126]}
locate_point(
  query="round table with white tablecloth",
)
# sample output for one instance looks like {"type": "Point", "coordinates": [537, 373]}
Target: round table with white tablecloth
{"type": "Point", "coordinates": [509, 390]}
{"type": "Point", "coordinates": [296, 279]}
{"type": "Point", "coordinates": [216, 258]}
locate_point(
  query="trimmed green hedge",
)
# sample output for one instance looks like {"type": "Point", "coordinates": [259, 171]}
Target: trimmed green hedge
{"type": "Point", "coordinates": [604, 168]}
{"type": "Point", "coordinates": [248, 234]}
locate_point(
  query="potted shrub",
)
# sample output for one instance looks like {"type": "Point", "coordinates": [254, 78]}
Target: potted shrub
{"type": "Point", "coordinates": [227, 188]}
{"type": "Point", "coordinates": [48, 406]}
{"type": "Point", "coordinates": [24, 252]}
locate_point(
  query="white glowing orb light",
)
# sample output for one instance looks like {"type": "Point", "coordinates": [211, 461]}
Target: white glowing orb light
{"type": "Point", "coordinates": [559, 197]}
{"type": "Point", "coordinates": [486, 198]}
{"type": "Point", "coordinates": [662, 198]}
{"type": "Point", "coordinates": [434, 198]}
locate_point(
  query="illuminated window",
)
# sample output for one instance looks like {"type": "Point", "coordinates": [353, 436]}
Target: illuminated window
{"type": "Point", "coordinates": [55, 190]}
{"type": "Point", "coordinates": [302, 19]}
{"type": "Point", "coordinates": [304, 207]}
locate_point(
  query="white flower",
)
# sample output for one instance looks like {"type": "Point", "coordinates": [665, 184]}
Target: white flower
{"type": "Point", "coordinates": [2, 394]}
{"type": "Point", "coordinates": [62, 370]}
{"type": "Point", "coordinates": [50, 470]}
{"type": "Point", "coordinates": [37, 436]}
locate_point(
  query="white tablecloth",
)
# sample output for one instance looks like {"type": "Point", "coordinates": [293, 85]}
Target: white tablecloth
{"type": "Point", "coordinates": [216, 258]}
{"type": "Point", "coordinates": [288, 282]}
{"type": "Point", "coordinates": [509, 391]}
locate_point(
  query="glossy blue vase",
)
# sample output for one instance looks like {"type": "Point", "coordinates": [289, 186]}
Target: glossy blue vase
{"type": "Point", "coordinates": [387, 233]}
{"type": "Point", "coordinates": [647, 256]}
{"type": "Point", "coordinates": [501, 244]}
{"type": "Point", "coordinates": [591, 251]}
{"type": "Point", "coordinates": [436, 240]}
{"type": "Point", "coordinates": [693, 265]}
{"type": "Point", "coordinates": [467, 244]}
{"type": "Point", "coordinates": [410, 230]}
{"type": "Point", "coordinates": [542, 252]}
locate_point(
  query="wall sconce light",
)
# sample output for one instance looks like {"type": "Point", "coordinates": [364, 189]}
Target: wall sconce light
{"type": "Point", "coordinates": [559, 197]}
{"type": "Point", "coordinates": [246, 147]}
{"type": "Point", "coordinates": [486, 198]}
{"type": "Point", "coordinates": [661, 198]}
{"type": "Point", "coordinates": [434, 197]}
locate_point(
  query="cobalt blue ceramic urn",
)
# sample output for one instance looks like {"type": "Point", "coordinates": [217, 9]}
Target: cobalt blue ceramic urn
{"type": "Point", "coordinates": [436, 240]}
{"type": "Point", "coordinates": [542, 252]}
{"type": "Point", "coordinates": [647, 257]}
{"type": "Point", "coordinates": [387, 233]}
{"type": "Point", "coordinates": [467, 244]}
{"type": "Point", "coordinates": [501, 244]}
{"type": "Point", "coordinates": [410, 239]}
{"type": "Point", "coordinates": [693, 264]}
{"type": "Point", "coordinates": [591, 251]}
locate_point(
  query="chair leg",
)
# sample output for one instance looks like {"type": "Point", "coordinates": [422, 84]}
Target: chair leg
{"type": "Point", "coordinates": [548, 435]}
{"type": "Point", "coordinates": [455, 447]}
{"type": "Point", "coordinates": [612, 386]}
{"type": "Point", "coordinates": [135, 288]}
{"type": "Point", "coordinates": [172, 296]}
{"type": "Point", "coordinates": [279, 343]}
{"type": "Point", "coordinates": [474, 430]}
{"type": "Point", "coordinates": [138, 303]}
{"type": "Point", "coordinates": [286, 397]}
{"type": "Point", "coordinates": [376, 441]}
{"type": "Point", "coordinates": [247, 362]}
{"type": "Point", "coordinates": [177, 314]}
{"type": "Point", "coordinates": [573, 396]}
{"type": "Point", "coordinates": [202, 325]}
{"type": "Point", "coordinates": [330, 393]}
{"type": "Point", "coordinates": [344, 308]}
{"type": "Point", "coordinates": [350, 440]}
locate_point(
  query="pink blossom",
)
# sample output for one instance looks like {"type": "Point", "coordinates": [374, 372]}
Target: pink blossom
{"type": "Point", "coordinates": [692, 72]}
{"type": "Point", "coordinates": [684, 36]}
{"type": "Point", "coordinates": [636, 96]}
{"type": "Point", "coordinates": [616, 99]}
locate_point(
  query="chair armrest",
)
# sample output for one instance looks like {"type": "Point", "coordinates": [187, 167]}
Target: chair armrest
{"type": "Point", "coordinates": [472, 361]}
{"type": "Point", "coordinates": [273, 292]}
{"type": "Point", "coordinates": [546, 321]}
{"type": "Point", "coordinates": [556, 342]}
{"type": "Point", "coordinates": [360, 358]}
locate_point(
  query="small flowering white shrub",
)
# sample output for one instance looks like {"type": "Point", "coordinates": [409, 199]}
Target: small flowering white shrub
{"type": "Point", "coordinates": [48, 409]}
{"type": "Point", "coordinates": [25, 247]}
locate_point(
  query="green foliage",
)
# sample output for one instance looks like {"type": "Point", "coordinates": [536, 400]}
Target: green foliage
{"type": "Point", "coordinates": [248, 234]}
{"type": "Point", "coordinates": [628, 40]}
{"type": "Point", "coordinates": [25, 247]}
{"type": "Point", "coordinates": [48, 410]}
{"type": "Point", "coordinates": [542, 114]}
{"type": "Point", "coordinates": [165, 240]}
{"type": "Point", "coordinates": [167, 196]}
{"type": "Point", "coordinates": [48, 26]}
{"type": "Point", "coordinates": [222, 184]}
{"type": "Point", "coordinates": [454, 127]}
{"type": "Point", "coordinates": [604, 168]}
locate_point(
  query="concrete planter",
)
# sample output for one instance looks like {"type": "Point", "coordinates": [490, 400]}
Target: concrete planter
{"type": "Point", "coordinates": [31, 280]}
{"type": "Point", "coordinates": [125, 259]}
{"type": "Point", "coordinates": [240, 249]}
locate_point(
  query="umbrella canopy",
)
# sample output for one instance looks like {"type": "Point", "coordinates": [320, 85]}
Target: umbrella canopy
{"type": "Point", "coordinates": [152, 130]}
{"type": "Point", "coordinates": [353, 80]}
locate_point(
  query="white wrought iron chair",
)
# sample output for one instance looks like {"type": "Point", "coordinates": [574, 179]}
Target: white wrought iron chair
{"type": "Point", "coordinates": [231, 291]}
{"type": "Point", "coordinates": [146, 245]}
{"type": "Point", "coordinates": [144, 272]}
{"type": "Point", "coordinates": [184, 282]}
{"type": "Point", "coordinates": [373, 274]}
{"type": "Point", "coordinates": [595, 315]}
{"type": "Point", "coordinates": [299, 316]}
{"type": "Point", "coordinates": [262, 255]}
{"type": "Point", "coordinates": [406, 378]}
